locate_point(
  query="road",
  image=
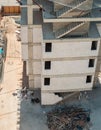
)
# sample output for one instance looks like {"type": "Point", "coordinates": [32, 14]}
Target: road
{"type": "Point", "coordinates": [9, 103]}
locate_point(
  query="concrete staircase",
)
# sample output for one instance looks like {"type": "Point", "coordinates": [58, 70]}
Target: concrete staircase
{"type": "Point", "coordinates": [67, 29]}
{"type": "Point", "coordinates": [68, 96]}
{"type": "Point", "coordinates": [73, 5]}
{"type": "Point", "coordinates": [51, 98]}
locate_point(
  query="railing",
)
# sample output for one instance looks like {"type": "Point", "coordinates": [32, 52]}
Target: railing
{"type": "Point", "coordinates": [67, 29]}
{"type": "Point", "coordinates": [73, 5]}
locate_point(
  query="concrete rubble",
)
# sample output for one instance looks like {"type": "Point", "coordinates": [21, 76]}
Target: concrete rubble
{"type": "Point", "coordinates": [68, 118]}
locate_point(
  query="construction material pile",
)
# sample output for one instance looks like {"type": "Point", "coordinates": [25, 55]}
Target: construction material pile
{"type": "Point", "coordinates": [68, 118]}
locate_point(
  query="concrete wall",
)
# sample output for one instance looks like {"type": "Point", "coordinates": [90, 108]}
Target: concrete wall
{"type": "Point", "coordinates": [49, 98]}
{"type": "Point", "coordinates": [70, 49]}
{"type": "Point", "coordinates": [37, 82]}
{"type": "Point", "coordinates": [24, 34]}
{"type": "Point", "coordinates": [37, 34]}
{"type": "Point", "coordinates": [67, 84]}
{"type": "Point", "coordinates": [24, 51]}
{"type": "Point", "coordinates": [36, 77]}
{"type": "Point", "coordinates": [29, 2]}
{"type": "Point", "coordinates": [37, 67]}
{"type": "Point", "coordinates": [37, 53]}
{"type": "Point", "coordinates": [69, 67]}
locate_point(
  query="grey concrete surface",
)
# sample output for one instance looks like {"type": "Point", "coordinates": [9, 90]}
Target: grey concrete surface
{"type": "Point", "coordinates": [33, 116]}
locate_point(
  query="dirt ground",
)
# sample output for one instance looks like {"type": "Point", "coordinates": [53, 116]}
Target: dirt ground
{"type": "Point", "coordinates": [9, 102]}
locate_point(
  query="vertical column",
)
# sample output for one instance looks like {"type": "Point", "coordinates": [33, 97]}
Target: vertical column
{"type": "Point", "coordinates": [29, 2]}
{"type": "Point", "coordinates": [98, 66]}
{"type": "Point", "coordinates": [30, 15]}
{"type": "Point", "coordinates": [30, 41]}
{"type": "Point", "coordinates": [30, 57]}
{"type": "Point", "coordinates": [30, 46]}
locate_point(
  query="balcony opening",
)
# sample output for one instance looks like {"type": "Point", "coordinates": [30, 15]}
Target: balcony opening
{"type": "Point", "coordinates": [48, 47]}
{"type": "Point", "coordinates": [46, 81]}
{"type": "Point", "coordinates": [94, 45]}
{"type": "Point", "coordinates": [89, 79]}
{"type": "Point", "coordinates": [91, 62]}
{"type": "Point", "coordinates": [47, 65]}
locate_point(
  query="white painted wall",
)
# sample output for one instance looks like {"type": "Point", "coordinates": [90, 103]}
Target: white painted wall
{"type": "Point", "coordinates": [24, 34]}
{"type": "Point", "coordinates": [37, 34]}
{"type": "Point", "coordinates": [70, 49]}
{"type": "Point", "coordinates": [67, 84]}
{"type": "Point", "coordinates": [24, 51]}
{"type": "Point", "coordinates": [37, 53]}
{"type": "Point", "coordinates": [69, 67]}
{"type": "Point", "coordinates": [37, 67]}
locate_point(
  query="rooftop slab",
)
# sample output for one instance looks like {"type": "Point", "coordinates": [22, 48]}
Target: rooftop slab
{"type": "Point", "coordinates": [9, 3]}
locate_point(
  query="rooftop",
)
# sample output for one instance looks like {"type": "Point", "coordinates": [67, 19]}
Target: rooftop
{"type": "Point", "coordinates": [9, 3]}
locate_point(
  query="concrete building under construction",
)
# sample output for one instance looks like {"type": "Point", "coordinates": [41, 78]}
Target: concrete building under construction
{"type": "Point", "coordinates": [61, 44]}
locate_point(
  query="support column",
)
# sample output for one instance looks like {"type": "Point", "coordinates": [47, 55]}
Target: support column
{"type": "Point", "coordinates": [30, 57]}
{"type": "Point", "coordinates": [30, 15]}
{"type": "Point", "coordinates": [98, 66]}
{"type": "Point", "coordinates": [30, 41]}
{"type": "Point", "coordinates": [29, 2]}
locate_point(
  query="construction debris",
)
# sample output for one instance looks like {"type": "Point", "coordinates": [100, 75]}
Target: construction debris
{"type": "Point", "coordinates": [68, 118]}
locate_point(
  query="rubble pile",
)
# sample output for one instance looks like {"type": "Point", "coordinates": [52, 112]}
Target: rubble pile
{"type": "Point", "coordinates": [68, 118]}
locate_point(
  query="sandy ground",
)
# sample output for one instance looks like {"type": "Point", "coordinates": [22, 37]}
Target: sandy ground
{"type": "Point", "coordinates": [9, 104]}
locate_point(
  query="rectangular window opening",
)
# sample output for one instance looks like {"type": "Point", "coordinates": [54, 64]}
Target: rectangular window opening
{"type": "Point", "coordinates": [47, 65]}
{"type": "Point", "coordinates": [48, 47]}
{"type": "Point", "coordinates": [91, 62]}
{"type": "Point", "coordinates": [46, 81]}
{"type": "Point", "coordinates": [94, 45]}
{"type": "Point", "coordinates": [89, 79]}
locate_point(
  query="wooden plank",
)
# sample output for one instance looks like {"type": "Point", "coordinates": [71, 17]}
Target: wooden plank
{"type": "Point", "coordinates": [11, 10]}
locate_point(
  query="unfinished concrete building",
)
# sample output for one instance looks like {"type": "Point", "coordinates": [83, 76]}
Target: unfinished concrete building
{"type": "Point", "coordinates": [61, 44]}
